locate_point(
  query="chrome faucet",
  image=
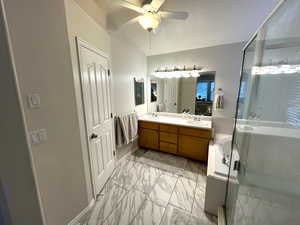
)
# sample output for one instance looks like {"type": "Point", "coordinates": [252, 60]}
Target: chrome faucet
{"type": "Point", "coordinates": [253, 116]}
{"type": "Point", "coordinates": [154, 114]}
{"type": "Point", "coordinates": [197, 117]}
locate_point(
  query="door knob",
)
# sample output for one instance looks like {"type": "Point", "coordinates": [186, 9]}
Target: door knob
{"type": "Point", "coordinates": [94, 136]}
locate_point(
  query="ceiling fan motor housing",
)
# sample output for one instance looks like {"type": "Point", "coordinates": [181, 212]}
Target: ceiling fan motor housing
{"type": "Point", "coordinates": [151, 15]}
{"type": "Point", "coordinates": [150, 21]}
{"type": "Point", "coordinates": [146, 2]}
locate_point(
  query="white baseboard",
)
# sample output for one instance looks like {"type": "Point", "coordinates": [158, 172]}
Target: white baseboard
{"type": "Point", "coordinates": [76, 220]}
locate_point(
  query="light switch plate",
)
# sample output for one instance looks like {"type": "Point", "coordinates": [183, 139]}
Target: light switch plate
{"type": "Point", "coordinates": [42, 133]}
{"type": "Point", "coordinates": [34, 101]}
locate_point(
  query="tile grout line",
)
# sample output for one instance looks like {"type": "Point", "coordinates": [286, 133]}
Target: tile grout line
{"type": "Point", "coordinates": [168, 202]}
{"type": "Point", "coordinates": [118, 203]}
{"type": "Point", "coordinates": [146, 195]}
{"type": "Point", "coordinates": [173, 174]}
{"type": "Point", "coordinates": [194, 199]}
{"type": "Point", "coordinates": [138, 211]}
{"type": "Point", "coordinates": [172, 192]}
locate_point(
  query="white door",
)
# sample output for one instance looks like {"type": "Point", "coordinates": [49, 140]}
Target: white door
{"type": "Point", "coordinates": [96, 83]}
{"type": "Point", "coordinates": [171, 95]}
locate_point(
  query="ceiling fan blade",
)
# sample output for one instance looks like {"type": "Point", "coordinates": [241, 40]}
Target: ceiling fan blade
{"type": "Point", "coordinates": [156, 4]}
{"type": "Point", "coordinates": [132, 21]}
{"type": "Point", "coordinates": [120, 24]}
{"type": "Point", "coordinates": [174, 15]}
{"type": "Point", "coordinates": [129, 5]}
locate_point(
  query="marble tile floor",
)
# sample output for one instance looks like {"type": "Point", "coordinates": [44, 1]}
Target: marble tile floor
{"type": "Point", "coordinates": [153, 188]}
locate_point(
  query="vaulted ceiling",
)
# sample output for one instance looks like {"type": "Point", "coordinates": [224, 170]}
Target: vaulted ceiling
{"type": "Point", "coordinates": [210, 23]}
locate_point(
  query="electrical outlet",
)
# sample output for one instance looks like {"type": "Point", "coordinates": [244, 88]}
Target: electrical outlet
{"type": "Point", "coordinates": [38, 136]}
{"type": "Point", "coordinates": [34, 137]}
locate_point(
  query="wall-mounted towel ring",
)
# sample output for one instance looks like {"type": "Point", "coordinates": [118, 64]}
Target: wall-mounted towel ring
{"type": "Point", "coordinates": [220, 92]}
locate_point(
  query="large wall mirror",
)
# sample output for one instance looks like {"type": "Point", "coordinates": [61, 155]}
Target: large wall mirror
{"type": "Point", "coordinates": [194, 95]}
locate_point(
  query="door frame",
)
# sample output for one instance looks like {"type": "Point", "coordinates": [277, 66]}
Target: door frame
{"type": "Point", "coordinates": [82, 115]}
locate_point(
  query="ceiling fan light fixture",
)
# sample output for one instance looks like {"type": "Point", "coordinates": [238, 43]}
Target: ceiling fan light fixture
{"type": "Point", "coordinates": [149, 21]}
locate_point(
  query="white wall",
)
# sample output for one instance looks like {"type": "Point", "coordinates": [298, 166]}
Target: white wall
{"type": "Point", "coordinates": [19, 203]}
{"type": "Point", "coordinates": [42, 32]}
{"type": "Point", "coordinates": [94, 10]}
{"type": "Point", "coordinates": [84, 27]}
{"type": "Point", "coordinates": [128, 62]}
{"type": "Point", "coordinates": [226, 60]}
{"type": "Point", "coordinates": [43, 64]}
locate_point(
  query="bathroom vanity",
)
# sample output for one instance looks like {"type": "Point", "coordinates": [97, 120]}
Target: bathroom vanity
{"type": "Point", "coordinates": [175, 135]}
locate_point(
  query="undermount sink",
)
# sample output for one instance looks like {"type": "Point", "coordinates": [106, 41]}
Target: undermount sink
{"type": "Point", "coordinates": [195, 122]}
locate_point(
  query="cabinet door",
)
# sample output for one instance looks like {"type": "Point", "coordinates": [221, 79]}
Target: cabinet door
{"type": "Point", "coordinates": [148, 138]}
{"type": "Point", "coordinates": [193, 147]}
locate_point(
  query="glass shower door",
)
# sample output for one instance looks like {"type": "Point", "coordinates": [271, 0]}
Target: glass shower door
{"type": "Point", "coordinates": [266, 144]}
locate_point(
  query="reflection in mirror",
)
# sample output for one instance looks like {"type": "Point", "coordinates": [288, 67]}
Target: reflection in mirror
{"type": "Point", "coordinates": [139, 94]}
{"type": "Point", "coordinates": [205, 93]}
{"type": "Point", "coordinates": [153, 90]}
{"type": "Point", "coordinates": [194, 95]}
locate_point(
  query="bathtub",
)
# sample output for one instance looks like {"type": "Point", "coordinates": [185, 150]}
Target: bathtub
{"type": "Point", "coordinates": [222, 146]}
{"type": "Point", "coordinates": [217, 173]}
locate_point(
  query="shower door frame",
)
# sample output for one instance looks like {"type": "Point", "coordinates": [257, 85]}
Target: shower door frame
{"type": "Point", "coordinates": [254, 36]}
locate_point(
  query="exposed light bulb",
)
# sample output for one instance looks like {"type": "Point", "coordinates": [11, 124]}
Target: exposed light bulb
{"type": "Point", "coordinates": [149, 21]}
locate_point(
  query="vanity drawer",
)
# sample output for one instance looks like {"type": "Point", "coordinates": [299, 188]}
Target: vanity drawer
{"type": "Point", "coordinates": [167, 147]}
{"type": "Point", "coordinates": [149, 125]}
{"type": "Point", "coordinates": [195, 132]}
{"type": "Point", "coordinates": [168, 137]}
{"type": "Point", "coordinates": [168, 128]}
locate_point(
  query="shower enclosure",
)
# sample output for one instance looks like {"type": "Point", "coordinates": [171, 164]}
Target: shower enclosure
{"type": "Point", "coordinates": [266, 140]}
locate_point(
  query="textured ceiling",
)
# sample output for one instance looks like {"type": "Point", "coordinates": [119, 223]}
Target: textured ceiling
{"type": "Point", "coordinates": [210, 23]}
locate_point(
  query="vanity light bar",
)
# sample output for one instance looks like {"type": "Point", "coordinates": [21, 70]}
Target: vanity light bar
{"type": "Point", "coordinates": [177, 74]}
{"type": "Point", "coordinates": [272, 70]}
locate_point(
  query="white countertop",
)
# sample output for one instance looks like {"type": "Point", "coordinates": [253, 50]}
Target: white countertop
{"type": "Point", "coordinates": [204, 124]}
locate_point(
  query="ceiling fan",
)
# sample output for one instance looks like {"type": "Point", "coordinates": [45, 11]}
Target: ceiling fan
{"type": "Point", "coordinates": [151, 16]}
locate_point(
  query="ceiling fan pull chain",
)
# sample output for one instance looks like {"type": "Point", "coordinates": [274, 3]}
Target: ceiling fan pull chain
{"type": "Point", "coordinates": [150, 44]}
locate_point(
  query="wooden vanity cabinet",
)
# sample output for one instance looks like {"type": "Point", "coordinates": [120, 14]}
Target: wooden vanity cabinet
{"type": "Point", "coordinates": [188, 142]}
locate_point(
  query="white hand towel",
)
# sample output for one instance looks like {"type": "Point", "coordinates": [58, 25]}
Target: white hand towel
{"type": "Point", "coordinates": [124, 121]}
{"type": "Point", "coordinates": [133, 126]}
{"type": "Point", "coordinates": [126, 129]}
{"type": "Point", "coordinates": [119, 134]}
